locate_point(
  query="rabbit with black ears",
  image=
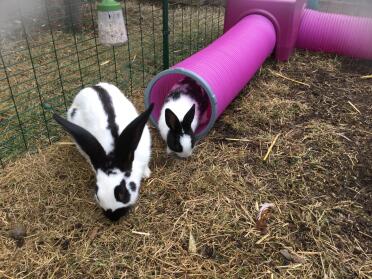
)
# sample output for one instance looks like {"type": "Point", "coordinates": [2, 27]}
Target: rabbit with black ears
{"type": "Point", "coordinates": [116, 142]}
{"type": "Point", "coordinates": [180, 116]}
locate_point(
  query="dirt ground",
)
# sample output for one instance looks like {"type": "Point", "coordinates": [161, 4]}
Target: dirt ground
{"type": "Point", "coordinates": [318, 175]}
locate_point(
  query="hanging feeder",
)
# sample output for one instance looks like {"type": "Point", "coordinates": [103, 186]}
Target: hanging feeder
{"type": "Point", "coordinates": [111, 26]}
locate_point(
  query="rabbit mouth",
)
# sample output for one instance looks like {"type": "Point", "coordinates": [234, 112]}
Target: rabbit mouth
{"type": "Point", "coordinates": [115, 215]}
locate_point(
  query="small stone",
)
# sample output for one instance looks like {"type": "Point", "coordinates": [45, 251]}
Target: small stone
{"type": "Point", "coordinates": [65, 244]}
{"type": "Point", "coordinates": [18, 233]}
{"type": "Point", "coordinates": [78, 226]}
{"type": "Point", "coordinates": [208, 252]}
{"type": "Point", "coordinates": [291, 256]}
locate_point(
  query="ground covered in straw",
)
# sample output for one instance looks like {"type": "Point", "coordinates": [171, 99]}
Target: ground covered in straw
{"type": "Point", "coordinates": [318, 175]}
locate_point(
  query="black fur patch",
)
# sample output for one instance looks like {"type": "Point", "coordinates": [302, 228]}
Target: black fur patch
{"type": "Point", "coordinates": [117, 214]}
{"type": "Point", "coordinates": [188, 86]}
{"type": "Point", "coordinates": [111, 172]}
{"type": "Point", "coordinates": [109, 109]}
{"type": "Point", "coordinates": [121, 193]}
{"type": "Point", "coordinates": [176, 95]}
{"type": "Point", "coordinates": [127, 173]}
{"type": "Point", "coordinates": [87, 142]}
{"type": "Point", "coordinates": [73, 112]}
{"type": "Point", "coordinates": [173, 141]}
{"type": "Point", "coordinates": [132, 186]}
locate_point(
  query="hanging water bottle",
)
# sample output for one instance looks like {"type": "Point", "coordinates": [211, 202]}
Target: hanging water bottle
{"type": "Point", "coordinates": [111, 26]}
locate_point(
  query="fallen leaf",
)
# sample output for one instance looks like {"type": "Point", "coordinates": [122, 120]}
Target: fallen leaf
{"type": "Point", "coordinates": [263, 217]}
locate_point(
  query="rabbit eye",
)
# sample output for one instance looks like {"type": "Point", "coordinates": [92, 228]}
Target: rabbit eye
{"type": "Point", "coordinates": [133, 186]}
{"type": "Point", "coordinates": [121, 193]}
{"type": "Point", "coordinates": [111, 172]}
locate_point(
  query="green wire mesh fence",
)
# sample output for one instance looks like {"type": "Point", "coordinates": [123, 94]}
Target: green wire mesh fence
{"type": "Point", "coordinates": [49, 50]}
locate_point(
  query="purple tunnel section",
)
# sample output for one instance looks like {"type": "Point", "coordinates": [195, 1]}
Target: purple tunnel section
{"type": "Point", "coordinates": [223, 68]}
{"type": "Point", "coordinates": [335, 33]}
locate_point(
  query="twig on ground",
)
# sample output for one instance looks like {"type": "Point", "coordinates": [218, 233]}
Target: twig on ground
{"type": "Point", "coordinates": [354, 107]}
{"type": "Point", "coordinates": [366, 77]}
{"type": "Point", "coordinates": [141, 233]}
{"type": "Point", "coordinates": [287, 78]}
{"type": "Point", "coordinates": [64, 143]}
{"type": "Point", "coordinates": [232, 139]}
{"type": "Point", "coordinates": [271, 147]}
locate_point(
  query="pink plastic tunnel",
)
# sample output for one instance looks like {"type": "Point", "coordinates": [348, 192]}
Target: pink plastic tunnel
{"type": "Point", "coordinates": [223, 68]}
{"type": "Point", "coordinates": [340, 34]}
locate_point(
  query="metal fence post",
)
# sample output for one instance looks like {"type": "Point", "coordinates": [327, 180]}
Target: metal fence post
{"type": "Point", "coordinates": [165, 34]}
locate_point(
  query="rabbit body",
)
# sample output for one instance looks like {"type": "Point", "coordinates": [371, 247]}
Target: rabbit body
{"type": "Point", "coordinates": [87, 112]}
{"type": "Point", "coordinates": [180, 116]}
{"type": "Point", "coordinates": [116, 141]}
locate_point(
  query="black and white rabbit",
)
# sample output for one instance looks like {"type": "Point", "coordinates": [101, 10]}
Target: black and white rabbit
{"type": "Point", "coordinates": [115, 140]}
{"type": "Point", "coordinates": [180, 116]}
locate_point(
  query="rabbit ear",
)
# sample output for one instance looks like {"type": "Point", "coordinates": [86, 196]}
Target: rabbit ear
{"type": "Point", "coordinates": [172, 121]}
{"type": "Point", "coordinates": [129, 138]}
{"type": "Point", "coordinates": [87, 142]}
{"type": "Point", "coordinates": [188, 118]}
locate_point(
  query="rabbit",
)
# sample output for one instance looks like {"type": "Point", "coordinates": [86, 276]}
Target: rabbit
{"type": "Point", "coordinates": [115, 140]}
{"type": "Point", "coordinates": [180, 117]}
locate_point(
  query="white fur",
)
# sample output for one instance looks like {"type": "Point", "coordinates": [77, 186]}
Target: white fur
{"type": "Point", "coordinates": [185, 141]}
{"type": "Point", "coordinates": [105, 193]}
{"type": "Point", "coordinates": [179, 107]}
{"type": "Point", "coordinates": [91, 116]}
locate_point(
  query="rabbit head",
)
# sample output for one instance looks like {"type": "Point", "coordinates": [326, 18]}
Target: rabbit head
{"type": "Point", "coordinates": [180, 138]}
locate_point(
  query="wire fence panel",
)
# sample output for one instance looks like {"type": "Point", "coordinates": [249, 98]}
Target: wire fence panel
{"type": "Point", "coordinates": [193, 25]}
{"type": "Point", "coordinates": [49, 50]}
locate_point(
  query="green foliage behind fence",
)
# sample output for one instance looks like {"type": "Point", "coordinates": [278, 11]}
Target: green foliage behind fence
{"type": "Point", "coordinates": [47, 56]}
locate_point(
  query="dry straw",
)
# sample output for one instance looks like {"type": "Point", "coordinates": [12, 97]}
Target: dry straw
{"type": "Point", "coordinates": [318, 180]}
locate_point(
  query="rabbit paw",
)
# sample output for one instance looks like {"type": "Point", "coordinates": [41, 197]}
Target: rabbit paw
{"type": "Point", "coordinates": [147, 172]}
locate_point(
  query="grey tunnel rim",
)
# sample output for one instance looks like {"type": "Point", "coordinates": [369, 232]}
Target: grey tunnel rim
{"type": "Point", "coordinates": [201, 82]}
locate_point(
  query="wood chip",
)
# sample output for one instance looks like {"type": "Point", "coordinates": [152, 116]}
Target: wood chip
{"type": "Point", "coordinates": [93, 233]}
{"type": "Point", "coordinates": [192, 244]}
